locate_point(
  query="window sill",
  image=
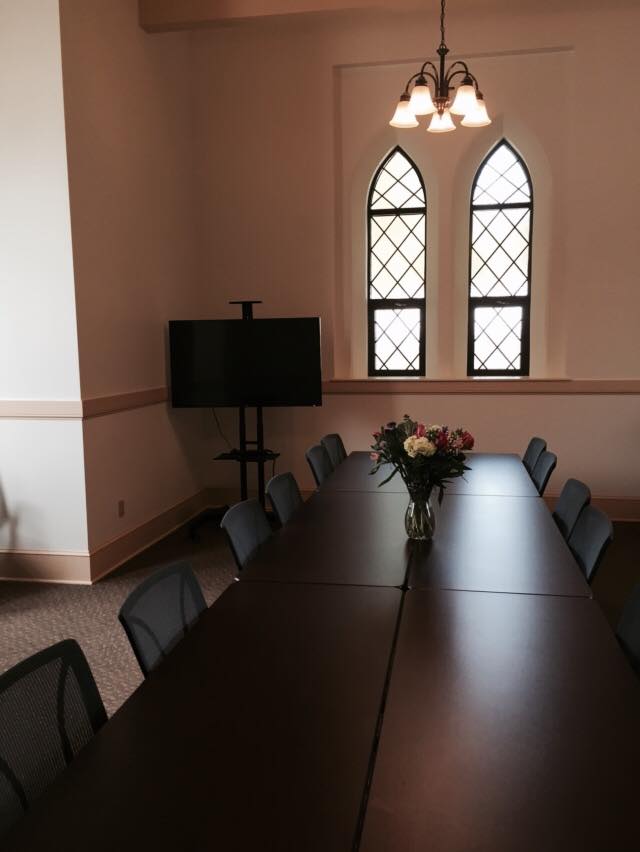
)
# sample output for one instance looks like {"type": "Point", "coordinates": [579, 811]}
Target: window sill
{"type": "Point", "coordinates": [481, 386]}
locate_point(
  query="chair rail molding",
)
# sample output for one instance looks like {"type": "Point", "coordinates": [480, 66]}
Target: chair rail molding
{"type": "Point", "coordinates": [482, 386]}
{"type": "Point", "coordinates": [99, 406]}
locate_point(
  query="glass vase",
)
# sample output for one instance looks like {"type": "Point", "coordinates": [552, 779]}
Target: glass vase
{"type": "Point", "coordinates": [420, 519]}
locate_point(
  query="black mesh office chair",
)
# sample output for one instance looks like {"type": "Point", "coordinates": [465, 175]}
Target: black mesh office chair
{"type": "Point", "coordinates": [335, 449]}
{"type": "Point", "coordinates": [589, 540]}
{"type": "Point", "coordinates": [159, 612]}
{"type": "Point", "coordinates": [319, 462]}
{"type": "Point", "coordinates": [542, 471]}
{"type": "Point", "coordinates": [247, 527]}
{"type": "Point", "coordinates": [573, 498]}
{"type": "Point", "coordinates": [285, 496]}
{"type": "Point", "coordinates": [628, 631]}
{"type": "Point", "coordinates": [50, 708]}
{"type": "Point", "coordinates": [532, 453]}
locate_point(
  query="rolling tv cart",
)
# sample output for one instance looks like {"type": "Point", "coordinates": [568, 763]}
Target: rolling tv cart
{"type": "Point", "coordinates": [245, 363]}
{"type": "Point", "coordinates": [245, 456]}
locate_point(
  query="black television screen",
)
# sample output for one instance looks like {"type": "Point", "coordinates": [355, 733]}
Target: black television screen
{"type": "Point", "coordinates": [245, 362]}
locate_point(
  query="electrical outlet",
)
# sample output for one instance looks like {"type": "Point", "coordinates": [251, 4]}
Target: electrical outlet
{"type": "Point", "coordinates": [121, 508]}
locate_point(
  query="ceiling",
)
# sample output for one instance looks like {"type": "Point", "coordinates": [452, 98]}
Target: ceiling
{"type": "Point", "coordinates": [163, 15]}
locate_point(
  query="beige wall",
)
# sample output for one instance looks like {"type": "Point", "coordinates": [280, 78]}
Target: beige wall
{"type": "Point", "coordinates": [38, 343]}
{"type": "Point", "coordinates": [133, 210]}
{"type": "Point", "coordinates": [42, 500]}
{"type": "Point", "coordinates": [290, 137]}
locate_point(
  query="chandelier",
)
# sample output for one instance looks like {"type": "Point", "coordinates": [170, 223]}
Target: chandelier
{"type": "Point", "coordinates": [468, 100]}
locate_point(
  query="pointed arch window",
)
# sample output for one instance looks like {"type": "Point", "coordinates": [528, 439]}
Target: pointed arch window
{"type": "Point", "coordinates": [500, 265]}
{"type": "Point", "coordinates": [396, 298]}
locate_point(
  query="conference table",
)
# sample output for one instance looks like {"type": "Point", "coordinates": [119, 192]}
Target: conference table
{"type": "Point", "coordinates": [356, 691]}
{"type": "Point", "coordinates": [255, 733]}
{"type": "Point", "coordinates": [511, 725]}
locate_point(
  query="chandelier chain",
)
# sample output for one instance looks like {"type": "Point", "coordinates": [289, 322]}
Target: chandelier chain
{"type": "Point", "coordinates": [442, 5]}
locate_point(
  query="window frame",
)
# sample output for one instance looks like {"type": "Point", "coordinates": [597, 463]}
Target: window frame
{"type": "Point", "coordinates": [390, 304]}
{"type": "Point", "coordinates": [524, 302]}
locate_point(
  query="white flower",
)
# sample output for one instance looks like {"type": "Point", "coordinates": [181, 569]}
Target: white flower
{"type": "Point", "coordinates": [419, 447]}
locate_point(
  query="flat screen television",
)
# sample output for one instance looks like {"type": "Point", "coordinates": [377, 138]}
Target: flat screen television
{"type": "Point", "coordinates": [268, 362]}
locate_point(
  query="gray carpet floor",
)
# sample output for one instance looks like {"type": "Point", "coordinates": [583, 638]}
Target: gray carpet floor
{"type": "Point", "coordinates": [33, 616]}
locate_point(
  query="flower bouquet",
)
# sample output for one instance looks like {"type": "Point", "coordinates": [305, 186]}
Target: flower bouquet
{"type": "Point", "coordinates": [426, 457]}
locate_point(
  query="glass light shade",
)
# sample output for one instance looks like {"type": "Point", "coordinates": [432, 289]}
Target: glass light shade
{"type": "Point", "coordinates": [421, 102]}
{"type": "Point", "coordinates": [441, 123]}
{"type": "Point", "coordinates": [479, 117]}
{"type": "Point", "coordinates": [465, 100]}
{"type": "Point", "coordinates": [404, 115]}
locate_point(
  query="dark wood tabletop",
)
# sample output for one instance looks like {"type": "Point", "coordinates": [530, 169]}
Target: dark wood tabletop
{"type": "Point", "coordinates": [341, 537]}
{"type": "Point", "coordinates": [512, 725]}
{"type": "Point", "coordinates": [496, 544]}
{"type": "Point", "coordinates": [491, 474]}
{"type": "Point", "coordinates": [254, 734]}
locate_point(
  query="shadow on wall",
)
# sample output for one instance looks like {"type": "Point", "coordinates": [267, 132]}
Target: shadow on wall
{"type": "Point", "coordinates": [8, 525]}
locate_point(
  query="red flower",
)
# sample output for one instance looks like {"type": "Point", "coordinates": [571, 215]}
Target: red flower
{"type": "Point", "coordinates": [467, 440]}
{"type": "Point", "coordinates": [442, 440]}
{"type": "Point", "coordinates": [420, 430]}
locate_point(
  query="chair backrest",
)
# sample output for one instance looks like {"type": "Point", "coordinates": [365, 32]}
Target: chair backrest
{"type": "Point", "coordinates": [335, 448]}
{"type": "Point", "coordinates": [159, 612]}
{"type": "Point", "coordinates": [542, 471]}
{"type": "Point", "coordinates": [319, 462]}
{"type": "Point", "coordinates": [247, 527]}
{"type": "Point", "coordinates": [285, 496]}
{"type": "Point", "coordinates": [50, 708]}
{"type": "Point", "coordinates": [590, 538]}
{"type": "Point", "coordinates": [628, 631]}
{"type": "Point", "coordinates": [532, 453]}
{"type": "Point", "coordinates": [573, 498]}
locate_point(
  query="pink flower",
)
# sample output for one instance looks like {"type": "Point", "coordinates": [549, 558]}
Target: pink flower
{"type": "Point", "coordinates": [420, 430]}
{"type": "Point", "coordinates": [376, 435]}
{"type": "Point", "coordinates": [374, 456]}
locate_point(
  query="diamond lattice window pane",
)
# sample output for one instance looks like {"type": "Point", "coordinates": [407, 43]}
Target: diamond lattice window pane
{"type": "Point", "coordinates": [397, 256]}
{"type": "Point", "coordinates": [497, 338]}
{"type": "Point", "coordinates": [397, 185]}
{"type": "Point", "coordinates": [502, 179]}
{"type": "Point", "coordinates": [500, 252]}
{"type": "Point", "coordinates": [397, 334]}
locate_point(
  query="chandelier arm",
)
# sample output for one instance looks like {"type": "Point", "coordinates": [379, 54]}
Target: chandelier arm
{"type": "Point", "coordinates": [422, 73]}
{"type": "Point", "coordinates": [429, 64]}
{"type": "Point", "coordinates": [460, 71]}
{"type": "Point", "coordinates": [432, 77]}
{"type": "Point", "coordinates": [464, 67]}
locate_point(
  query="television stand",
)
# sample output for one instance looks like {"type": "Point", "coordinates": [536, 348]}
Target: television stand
{"type": "Point", "coordinates": [244, 456]}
